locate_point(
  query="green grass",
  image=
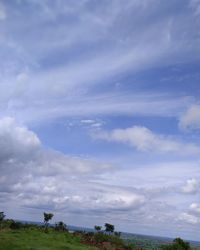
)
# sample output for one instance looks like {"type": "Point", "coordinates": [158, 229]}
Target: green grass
{"type": "Point", "coordinates": [27, 239]}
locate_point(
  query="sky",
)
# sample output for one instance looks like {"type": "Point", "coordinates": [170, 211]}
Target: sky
{"type": "Point", "coordinates": [100, 113]}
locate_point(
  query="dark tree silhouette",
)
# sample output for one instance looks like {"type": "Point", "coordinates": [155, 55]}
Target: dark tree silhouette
{"type": "Point", "coordinates": [118, 234]}
{"type": "Point", "coordinates": [109, 228]}
{"type": "Point", "coordinates": [2, 216]}
{"type": "Point", "coordinates": [47, 218]}
{"type": "Point", "coordinates": [60, 226]}
{"type": "Point", "coordinates": [97, 228]}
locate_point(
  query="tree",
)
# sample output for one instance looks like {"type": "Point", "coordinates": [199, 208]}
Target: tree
{"type": "Point", "coordinates": [118, 234]}
{"type": "Point", "coordinates": [109, 228]}
{"type": "Point", "coordinates": [60, 226]}
{"type": "Point", "coordinates": [178, 244]}
{"type": "Point", "coordinates": [2, 216]}
{"type": "Point", "coordinates": [97, 228]}
{"type": "Point", "coordinates": [47, 218]}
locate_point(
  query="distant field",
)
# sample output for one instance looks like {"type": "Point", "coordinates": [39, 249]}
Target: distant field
{"type": "Point", "coordinates": [38, 240]}
{"type": "Point", "coordinates": [152, 242]}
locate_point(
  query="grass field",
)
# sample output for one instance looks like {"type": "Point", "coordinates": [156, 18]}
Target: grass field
{"type": "Point", "coordinates": [39, 240]}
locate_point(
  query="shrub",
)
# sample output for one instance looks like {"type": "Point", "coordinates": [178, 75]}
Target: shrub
{"type": "Point", "coordinates": [16, 225]}
{"type": "Point", "coordinates": [60, 226]}
{"type": "Point", "coordinates": [178, 244]}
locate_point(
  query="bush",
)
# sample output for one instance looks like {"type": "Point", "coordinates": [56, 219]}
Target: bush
{"type": "Point", "coordinates": [178, 244]}
{"type": "Point", "coordinates": [61, 226]}
{"type": "Point", "coordinates": [16, 225]}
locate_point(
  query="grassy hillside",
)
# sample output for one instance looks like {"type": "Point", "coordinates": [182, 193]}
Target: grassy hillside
{"type": "Point", "coordinates": [38, 240]}
{"type": "Point", "coordinates": [15, 235]}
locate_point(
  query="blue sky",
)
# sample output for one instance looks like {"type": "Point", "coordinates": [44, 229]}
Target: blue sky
{"type": "Point", "coordinates": [100, 113]}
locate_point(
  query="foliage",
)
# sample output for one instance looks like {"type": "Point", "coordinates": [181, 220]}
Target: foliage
{"type": "Point", "coordinates": [178, 244]}
{"type": "Point", "coordinates": [109, 228]}
{"type": "Point", "coordinates": [16, 225]}
{"type": "Point", "coordinates": [118, 234]}
{"type": "Point", "coordinates": [60, 226]}
{"type": "Point", "coordinates": [115, 241]}
{"type": "Point", "coordinates": [47, 218]}
{"type": "Point", "coordinates": [2, 216]}
{"type": "Point", "coordinates": [97, 228]}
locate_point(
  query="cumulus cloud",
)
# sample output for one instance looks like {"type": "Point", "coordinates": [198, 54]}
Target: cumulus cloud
{"type": "Point", "coordinates": [143, 139]}
{"type": "Point", "coordinates": [74, 74]}
{"type": "Point", "coordinates": [191, 118]}
{"type": "Point", "coordinates": [191, 186]}
{"type": "Point", "coordinates": [85, 197]}
{"type": "Point", "coordinates": [16, 141]}
{"type": "Point", "coordinates": [36, 177]}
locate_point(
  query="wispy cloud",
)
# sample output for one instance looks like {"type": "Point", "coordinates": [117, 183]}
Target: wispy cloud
{"type": "Point", "coordinates": [99, 66]}
{"type": "Point", "coordinates": [144, 139]}
{"type": "Point", "coordinates": [3, 14]}
{"type": "Point", "coordinates": [191, 118]}
{"type": "Point", "coordinates": [69, 64]}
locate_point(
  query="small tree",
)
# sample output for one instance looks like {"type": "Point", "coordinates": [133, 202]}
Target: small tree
{"type": "Point", "coordinates": [60, 226]}
{"type": "Point", "coordinates": [178, 244]}
{"type": "Point", "coordinates": [118, 234]}
{"type": "Point", "coordinates": [97, 228]}
{"type": "Point", "coordinates": [2, 216]}
{"type": "Point", "coordinates": [109, 228]}
{"type": "Point", "coordinates": [47, 218]}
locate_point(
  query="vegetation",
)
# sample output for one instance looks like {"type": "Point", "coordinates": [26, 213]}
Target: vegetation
{"type": "Point", "coordinates": [61, 226]}
{"type": "Point", "coordinates": [2, 216]}
{"type": "Point", "coordinates": [47, 218]}
{"type": "Point", "coordinates": [178, 244]}
{"type": "Point", "coordinates": [27, 236]}
{"type": "Point", "coordinates": [109, 228]}
{"type": "Point", "coordinates": [97, 228]}
{"type": "Point", "coordinates": [36, 239]}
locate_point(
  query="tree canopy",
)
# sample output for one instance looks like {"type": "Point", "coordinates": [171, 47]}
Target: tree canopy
{"type": "Point", "coordinates": [109, 228]}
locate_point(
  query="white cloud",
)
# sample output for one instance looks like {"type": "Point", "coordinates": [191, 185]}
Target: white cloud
{"type": "Point", "coordinates": [44, 106]}
{"type": "Point", "coordinates": [144, 139]}
{"type": "Point", "coordinates": [191, 118]}
{"type": "Point", "coordinates": [195, 207]}
{"type": "Point", "coordinates": [189, 218]}
{"type": "Point", "coordinates": [77, 188]}
{"type": "Point", "coordinates": [23, 158]}
{"type": "Point", "coordinates": [88, 197]}
{"type": "Point", "coordinates": [36, 177]}
{"type": "Point", "coordinates": [63, 76]}
{"type": "Point", "coordinates": [87, 121]}
{"type": "Point", "coordinates": [16, 141]}
{"type": "Point", "coordinates": [62, 87]}
{"type": "Point", "coordinates": [192, 186]}
{"type": "Point", "coordinates": [2, 12]}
